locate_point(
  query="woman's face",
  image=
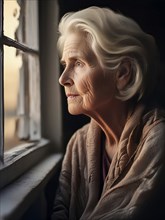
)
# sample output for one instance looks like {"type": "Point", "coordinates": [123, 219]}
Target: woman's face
{"type": "Point", "coordinates": [88, 87]}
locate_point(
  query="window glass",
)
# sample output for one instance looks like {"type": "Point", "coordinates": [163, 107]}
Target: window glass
{"type": "Point", "coordinates": [24, 15]}
{"type": "Point", "coordinates": [21, 73]}
{"type": "Point", "coordinates": [12, 64]}
{"type": "Point", "coordinates": [11, 17]}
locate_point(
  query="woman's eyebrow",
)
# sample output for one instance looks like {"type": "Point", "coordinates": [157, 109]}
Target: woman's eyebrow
{"type": "Point", "coordinates": [72, 58]}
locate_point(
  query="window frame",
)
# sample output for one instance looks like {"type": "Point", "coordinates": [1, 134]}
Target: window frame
{"type": "Point", "coordinates": [26, 170]}
{"type": "Point", "coordinates": [28, 109]}
{"type": "Point", "coordinates": [22, 158]}
{"type": "Point", "coordinates": [7, 41]}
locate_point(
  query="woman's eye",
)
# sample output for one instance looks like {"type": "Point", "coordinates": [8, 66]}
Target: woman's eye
{"type": "Point", "coordinates": [79, 64]}
{"type": "Point", "coordinates": [63, 66]}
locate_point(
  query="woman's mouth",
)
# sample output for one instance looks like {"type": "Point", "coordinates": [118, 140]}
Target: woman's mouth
{"type": "Point", "coordinates": [71, 96]}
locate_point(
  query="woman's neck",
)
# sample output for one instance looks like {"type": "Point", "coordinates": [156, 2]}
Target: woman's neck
{"type": "Point", "coordinates": [112, 122]}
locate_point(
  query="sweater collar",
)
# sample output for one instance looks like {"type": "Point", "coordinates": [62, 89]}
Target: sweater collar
{"type": "Point", "coordinates": [126, 147]}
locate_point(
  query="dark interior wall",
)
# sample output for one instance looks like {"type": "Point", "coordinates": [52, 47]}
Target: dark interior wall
{"type": "Point", "coordinates": [149, 14]}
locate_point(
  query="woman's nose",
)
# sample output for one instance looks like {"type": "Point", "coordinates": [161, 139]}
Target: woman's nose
{"type": "Point", "coordinates": [65, 79]}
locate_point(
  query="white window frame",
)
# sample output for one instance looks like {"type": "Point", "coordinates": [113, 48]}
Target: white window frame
{"type": "Point", "coordinates": [21, 158]}
{"type": "Point", "coordinates": [26, 169]}
{"type": "Point", "coordinates": [29, 122]}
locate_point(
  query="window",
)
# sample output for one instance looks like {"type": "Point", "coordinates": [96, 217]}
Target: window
{"type": "Point", "coordinates": [33, 48]}
{"type": "Point", "coordinates": [34, 99]}
{"type": "Point", "coordinates": [20, 73]}
{"type": "Point", "coordinates": [29, 151]}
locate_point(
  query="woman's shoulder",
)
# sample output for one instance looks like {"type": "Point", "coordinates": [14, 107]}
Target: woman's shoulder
{"type": "Point", "coordinates": [154, 117]}
{"type": "Point", "coordinates": [154, 125]}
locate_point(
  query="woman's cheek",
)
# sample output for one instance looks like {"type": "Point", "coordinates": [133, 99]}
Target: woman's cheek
{"type": "Point", "coordinates": [84, 85]}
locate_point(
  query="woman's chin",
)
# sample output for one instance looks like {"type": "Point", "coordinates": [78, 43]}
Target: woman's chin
{"type": "Point", "coordinates": [74, 111]}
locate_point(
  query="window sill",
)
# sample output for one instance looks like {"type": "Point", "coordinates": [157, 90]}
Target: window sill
{"type": "Point", "coordinates": [20, 194]}
{"type": "Point", "coordinates": [20, 159]}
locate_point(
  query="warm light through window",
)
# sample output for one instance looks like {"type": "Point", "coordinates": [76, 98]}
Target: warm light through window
{"type": "Point", "coordinates": [12, 64]}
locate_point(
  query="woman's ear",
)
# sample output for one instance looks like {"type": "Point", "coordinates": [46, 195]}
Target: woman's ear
{"type": "Point", "coordinates": [123, 75]}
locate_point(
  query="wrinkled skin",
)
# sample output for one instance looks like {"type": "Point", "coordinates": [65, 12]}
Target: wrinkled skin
{"type": "Point", "coordinates": [88, 87]}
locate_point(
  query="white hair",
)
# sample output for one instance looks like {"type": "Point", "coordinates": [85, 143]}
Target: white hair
{"type": "Point", "coordinates": [114, 38]}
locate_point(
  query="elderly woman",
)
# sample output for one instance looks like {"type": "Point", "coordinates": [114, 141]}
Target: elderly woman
{"type": "Point", "coordinates": [111, 165]}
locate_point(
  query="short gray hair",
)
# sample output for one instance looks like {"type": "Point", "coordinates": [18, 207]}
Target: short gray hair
{"type": "Point", "coordinates": [114, 38]}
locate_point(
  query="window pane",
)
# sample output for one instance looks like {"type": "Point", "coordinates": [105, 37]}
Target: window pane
{"type": "Point", "coordinates": [21, 21]}
{"type": "Point", "coordinates": [12, 64]}
{"type": "Point", "coordinates": [22, 97]}
{"type": "Point", "coordinates": [21, 74]}
{"type": "Point", "coordinates": [11, 15]}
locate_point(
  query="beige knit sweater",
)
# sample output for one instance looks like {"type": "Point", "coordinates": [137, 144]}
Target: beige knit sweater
{"type": "Point", "coordinates": [132, 176]}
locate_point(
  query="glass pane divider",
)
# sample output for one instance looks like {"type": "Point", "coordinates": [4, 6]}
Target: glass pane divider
{"type": "Point", "coordinates": [13, 43]}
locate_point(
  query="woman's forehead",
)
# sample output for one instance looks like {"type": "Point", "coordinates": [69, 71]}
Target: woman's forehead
{"type": "Point", "coordinates": [77, 45]}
